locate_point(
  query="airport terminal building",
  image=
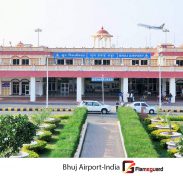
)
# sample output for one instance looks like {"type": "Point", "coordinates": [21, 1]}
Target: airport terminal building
{"type": "Point", "coordinates": [77, 72]}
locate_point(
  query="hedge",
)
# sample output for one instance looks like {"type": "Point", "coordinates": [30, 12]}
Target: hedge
{"type": "Point", "coordinates": [69, 137]}
{"type": "Point", "coordinates": [152, 126]}
{"type": "Point", "coordinates": [137, 141]}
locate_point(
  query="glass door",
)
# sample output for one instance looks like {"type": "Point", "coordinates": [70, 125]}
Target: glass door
{"type": "Point", "coordinates": [64, 90]}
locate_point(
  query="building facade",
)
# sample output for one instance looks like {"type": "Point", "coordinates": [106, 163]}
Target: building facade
{"type": "Point", "coordinates": [71, 71]}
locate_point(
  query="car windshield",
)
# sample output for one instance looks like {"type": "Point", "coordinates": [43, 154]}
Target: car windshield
{"type": "Point", "coordinates": [101, 103]}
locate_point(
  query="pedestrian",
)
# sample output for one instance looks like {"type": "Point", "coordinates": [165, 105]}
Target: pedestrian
{"type": "Point", "coordinates": [117, 104]}
{"type": "Point", "coordinates": [169, 98]}
{"type": "Point", "coordinates": [120, 97]}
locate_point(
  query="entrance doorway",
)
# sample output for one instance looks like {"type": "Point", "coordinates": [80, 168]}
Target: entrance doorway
{"type": "Point", "coordinates": [25, 88]}
{"type": "Point", "coordinates": [64, 89]}
{"type": "Point", "coordinates": [15, 88]}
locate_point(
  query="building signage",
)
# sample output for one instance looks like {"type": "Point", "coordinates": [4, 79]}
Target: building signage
{"type": "Point", "coordinates": [102, 79]}
{"type": "Point", "coordinates": [99, 55]}
{"type": "Point", "coordinates": [5, 84]}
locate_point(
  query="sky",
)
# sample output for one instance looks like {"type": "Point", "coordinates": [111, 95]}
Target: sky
{"type": "Point", "coordinates": [70, 23]}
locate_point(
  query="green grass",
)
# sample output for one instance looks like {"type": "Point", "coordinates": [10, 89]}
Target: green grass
{"type": "Point", "coordinates": [69, 136]}
{"type": "Point", "coordinates": [136, 139]}
{"type": "Point", "coordinates": [50, 147]}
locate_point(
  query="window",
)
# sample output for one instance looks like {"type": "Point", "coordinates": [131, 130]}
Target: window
{"type": "Point", "coordinates": [143, 62]}
{"type": "Point", "coordinates": [95, 104]}
{"type": "Point", "coordinates": [143, 104]}
{"type": "Point", "coordinates": [98, 62]}
{"type": "Point", "coordinates": [179, 62]}
{"type": "Point", "coordinates": [135, 62]}
{"type": "Point", "coordinates": [16, 61]}
{"type": "Point", "coordinates": [69, 62]}
{"type": "Point", "coordinates": [25, 61]}
{"type": "Point", "coordinates": [88, 103]}
{"type": "Point", "coordinates": [60, 61]}
{"type": "Point", "coordinates": [106, 62]}
{"type": "Point", "coordinates": [137, 104]}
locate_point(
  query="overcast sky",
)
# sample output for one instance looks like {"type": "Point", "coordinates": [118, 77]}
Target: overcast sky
{"type": "Point", "coordinates": [71, 23]}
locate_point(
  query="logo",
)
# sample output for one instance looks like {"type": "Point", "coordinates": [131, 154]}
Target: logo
{"type": "Point", "coordinates": [128, 166]}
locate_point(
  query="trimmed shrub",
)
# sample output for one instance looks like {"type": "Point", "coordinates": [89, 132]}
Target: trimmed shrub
{"type": "Point", "coordinates": [36, 147]}
{"type": "Point", "coordinates": [46, 136]}
{"type": "Point", "coordinates": [171, 152]}
{"type": "Point", "coordinates": [175, 118]}
{"type": "Point", "coordinates": [49, 127]}
{"type": "Point", "coordinates": [163, 141]}
{"type": "Point", "coordinates": [152, 127]}
{"type": "Point", "coordinates": [55, 121]}
{"type": "Point", "coordinates": [69, 137]}
{"type": "Point", "coordinates": [31, 153]}
{"type": "Point", "coordinates": [137, 141]}
{"type": "Point", "coordinates": [61, 116]}
{"type": "Point", "coordinates": [157, 136]}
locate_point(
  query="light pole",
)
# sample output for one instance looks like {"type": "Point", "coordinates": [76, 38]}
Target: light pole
{"type": "Point", "coordinates": [160, 64]}
{"type": "Point", "coordinates": [38, 30]}
{"type": "Point", "coordinates": [166, 31]}
{"type": "Point", "coordinates": [103, 89]}
{"type": "Point", "coordinates": [46, 81]}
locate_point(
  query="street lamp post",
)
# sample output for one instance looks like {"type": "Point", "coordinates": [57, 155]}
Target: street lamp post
{"type": "Point", "coordinates": [160, 76]}
{"type": "Point", "coordinates": [38, 30]}
{"type": "Point", "coordinates": [46, 81]}
{"type": "Point", "coordinates": [103, 89]}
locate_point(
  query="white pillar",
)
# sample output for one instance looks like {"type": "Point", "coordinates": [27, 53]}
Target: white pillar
{"type": "Point", "coordinates": [32, 89]}
{"type": "Point", "coordinates": [79, 90]}
{"type": "Point", "coordinates": [164, 87]}
{"type": "Point", "coordinates": [20, 88]}
{"type": "Point", "coordinates": [173, 89]}
{"type": "Point", "coordinates": [39, 86]}
{"type": "Point", "coordinates": [124, 87]}
{"type": "Point", "coordinates": [82, 86]}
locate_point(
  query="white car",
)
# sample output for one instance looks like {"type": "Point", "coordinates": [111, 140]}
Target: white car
{"type": "Point", "coordinates": [95, 106]}
{"type": "Point", "coordinates": [138, 106]}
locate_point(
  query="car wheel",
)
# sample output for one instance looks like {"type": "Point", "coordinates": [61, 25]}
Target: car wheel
{"type": "Point", "coordinates": [151, 111]}
{"type": "Point", "coordinates": [104, 111]}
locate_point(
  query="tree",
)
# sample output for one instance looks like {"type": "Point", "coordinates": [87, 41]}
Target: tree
{"type": "Point", "coordinates": [14, 132]}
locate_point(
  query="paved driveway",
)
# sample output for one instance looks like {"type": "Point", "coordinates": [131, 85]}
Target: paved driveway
{"type": "Point", "coordinates": [102, 137]}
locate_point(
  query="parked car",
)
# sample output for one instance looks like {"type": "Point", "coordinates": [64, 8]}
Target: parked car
{"type": "Point", "coordinates": [95, 106]}
{"type": "Point", "coordinates": [138, 106]}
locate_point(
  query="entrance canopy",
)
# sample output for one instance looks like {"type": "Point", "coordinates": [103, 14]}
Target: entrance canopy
{"type": "Point", "coordinates": [99, 55]}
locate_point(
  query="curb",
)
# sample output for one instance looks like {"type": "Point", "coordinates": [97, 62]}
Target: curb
{"type": "Point", "coordinates": [35, 109]}
{"type": "Point", "coordinates": [171, 110]}
{"type": "Point", "coordinates": [122, 139]}
{"type": "Point", "coordinates": [81, 141]}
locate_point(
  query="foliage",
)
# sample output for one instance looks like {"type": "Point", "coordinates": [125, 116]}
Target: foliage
{"type": "Point", "coordinates": [48, 127]}
{"type": "Point", "coordinates": [55, 121]}
{"type": "Point", "coordinates": [171, 152]}
{"type": "Point", "coordinates": [61, 116]}
{"type": "Point", "coordinates": [36, 147]}
{"type": "Point", "coordinates": [156, 134]}
{"type": "Point", "coordinates": [152, 126]}
{"type": "Point", "coordinates": [31, 153]}
{"type": "Point", "coordinates": [46, 136]}
{"type": "Point", "coordinates": [164, 141]}
{"type": "Point", "coordinates": [38, 118]}
{"type": "Point", "coordinates": [180, 146]}
{"type": "Point", "coordinates": [15, 131]}
{"type": "Point", "coordinates": [69, 137]}
{"type": "Point", "coordinates": [136, 139]}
